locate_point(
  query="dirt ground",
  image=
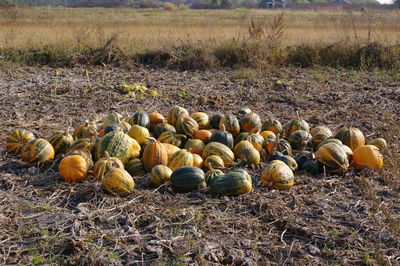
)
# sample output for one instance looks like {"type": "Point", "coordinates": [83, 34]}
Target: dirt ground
{"type": "Point", "coordinates": [346, 220]}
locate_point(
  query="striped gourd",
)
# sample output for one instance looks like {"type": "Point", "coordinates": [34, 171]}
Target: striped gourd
{"type": "Point", "coordinates": [284, 147]}
{"type": "Point", "coordinates": [201, 119]}
{"type": "Point", "coordinates": [197, 161]}
{"type": "Point", "coordinates": [299, 139]}
{"type": "Point", "coordinates": [156, 119]}
{"type": "Point", "coordinates": [186, 125]}
{"type": "Point", "coordinates": [102, 166]}
{"type": "Point", "coordinates": [203, 135]}
{"type": "Point", "coordinates": [214, 162]}
{"type": "Point", "coordinates": [211, 174]}
{"type": "Point", "coordinates": [236, 182]}
{"type": "Point", "coordinates": [161, 128]}
{"type": "Point", "coordinates": [240, 146]}
{"type": "Point", "coordinates": [215, 119]}
{"type": "Point", "coordinates": [118, 182]}
{"type": "Point", "coordinates": [277, 175]}
{"type": "Point", "coordinates": [140, 119]}
{"type": "Point", "coordinates": [254, 138]}
{"type": "Point", "coordinates": [112, 118]}
{"type": "Point", "coordinates": [317, 139]}
{"type": "Point", "coordinates": [134, 166]}
{"type": "Point", "coordinates": [187, 178]}
{"type": "Point", "coordinates": [321, 130]}
{"type": "Point", "coordinates": [269, 140]}
{"type": "Point", "coordinates": [250, 122]}
{"type": "Point", "coordinates": [230, 123]}
{"type": "Point", "coordinates": [17, 140]}
{"type": "Point", "coordinates": [352, 137]}
{"type": "Point", "coordinates": [223, 137]}
{"type": "Point", "coordinates": [174, 113]}
{"type": "Point", "coordinates": [380, 143]}
{"type": "Point", "coordinates": [272, 125]}
{"type": "Point", "coordinates": [160, 174]}
{"type": "Point", "coordinates": [119, 145]}
{"type": "Point", "coordinates": [326, 141]}
{"type": "Point", "coordinates": [73, 168]}
{"type": "Point", "coordinates": [86, 144]}
{"type": "Point", "coordinates": [221, 150]}
{"type": "Point", "coordinates": [139, 133]}
{"type": "Point", "coordinates": [296, 124]}
{"type": "Point", "coordinates": [86, 154]}
{"type": "Point", "coordinates": [180, 158]}
{"type": "Point", "coordinates": [61, 141]}
{"type": "Point", "coordinates": [171, 138]}
{"type": "Point", "coordinates": [244, 111]}
{"type": "Point", "coordinates": [333, 157]}
{"type": "Point", "coordinates": [171, 149]}
{"type": "Point", "coordinates": [348, 151]}
{"type": "Point", "coordinates": [195, 145]}
{"type": "Point", "coordinates": [37, 151]}
{"type": "Point", "coordinates": [86, 130]}
{"type": "Point", "coordinates": [154, 154]}
{"type": "Point", "coordinates": [250, 156]}
{"type": "Point", "coordinates": [124, 126]}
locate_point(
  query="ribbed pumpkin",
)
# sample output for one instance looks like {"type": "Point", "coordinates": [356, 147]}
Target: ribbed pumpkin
{"type": "Point", "coordinates": [195, 145]}
{"type": "Point", "coordinates": [87, 130]}
{"type": "Point", "coordinates": [336, 141]}
{"type": "Point", "coordinates": [118, 182]}
{"type": "Point", "coordinates": [321, 130]}
{"type": "Point", "coordinates": [317, 139]}
{"type": "Point", "coordinates": [119, 145]}
{"type": "Point", "coordinates": [112, 118]}
{"type": "Point", "coordinates": [378, 142]}
{"type": "Point", "coordinates": [289, 161]}
{"type": "Point", "coordinates": [296, 124]}
{"type": "Point", "coordinates": [223, 137]}
{"type": "Point", "coordinates": [250, 156]}
{"type": "Point", "coordinates": [244, 111]}
{"type": "Point", "coordinates": [180, 158]}
{"type": "Point", "coordinates": [269, 141]}
{"type": "Point", "coordinates": [348, 152]}
{"type": "Point", "coordinates": [160, 174]}
{"type": "Point", "coordinates": [163, 127]}
{"type": "Point", "coordinates": [186, 125]}
{"type": "Point", "coordinates": [79, 144]}
{"type": "Point", "coordinates": [139, 133]}
{"type": "Point", "coordinates": [121, 125]}
{"type": "Point", "coordinates": [266, 134]}
{"type": "Point", "coordinates": [284, 147]}
{"type": "Point", "coordinates": [134, 166]}
{"type": "Point", "coordinates": [83, 153]}
{"type": "Point", "coordinates": [201, 119]}
{"type": "Point", "coordinates": [171, 138]}
{"type": "Point", "coordinates": [37, 151]}
{"type": "Point", "coordinates": [174, 113]}
{"type": "Point", "coordinates": [215, 119]}
{"type": "Point", "coordinates": [272, 125]}
{"type": "Point", "coordinates": [154, 154]}
{"type": "Point", "coordinates": [351, 137]}
{"type": "Point", "coordinates": [197, 161]}
{"type": "Point", "coordinates": [367, 156]}
{"type": "Point", "coordinates": [171, 149]}
{"type": "Point", "coordinates": [221, 150]}
{"type": "Point", "coordinates": [73, 168]}
{"type": "Point", "coordinates": [61, 141]}
{"type": "Point", "coordinates": [203, 135]}
{"type": "Point", "coordinates": [299, 139]}
{"type": "Point", "coordinates": [277, 175]}
{"type": "Point", "coordinates": [187, 178]}
{"type": "Point", "coordinates": [155, 119]}
{"type": "Point", "coordinates": [211, 174]}
{"type": "Point", "coordinates": [240, 146]}
{"type": "Point", "coordinates": [333, 157]}
{"type": "Point", "coordinates": [230, 123]}
{"type": "Point", "coordinates": [250, 122]}
{"type": "Point", "coordinates": [214, 162]}
{"type": "Point", "coordinates": [254, 138]}
{"type": "Point", "coordinates": [17, 140]}
{"type": "Point", "coordinates": [140, 119]}
{"type": "Point", "coordinates": [102, 166]}
{"type": "Point", "coordinates": [236, 182]}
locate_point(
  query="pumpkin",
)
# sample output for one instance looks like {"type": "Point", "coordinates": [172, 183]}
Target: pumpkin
{"type": "Point", "coordinates": [195, 145]}
{"type": "Point", "coordinates": [302, 159]}
{"type": "Point", "coordinates": [244, 111]}
{"type": "Point", "coordinates": [180, 158]}
{"type": "Point", "coordinates": [299, 139]}
{"type": "Point", "coordinates": [61, 141]}
{"type": "Point", "coordinates": [139, 133]}
{"type": "Point", "coordinates": [336, 141]}
{"type": "Point", "coordinates": [317, 139]}
{"type": "Point", "coordinates": [73, 168]}
{"type": "Point", "coordinates": [118, 182]}
{"type": "Point", "coordinates": [203, 135]}
{"type": "Point", "coordinates": [367, 156]}
{"type": "Point", "coordinates": [176, 112]}
{"type": "Point", "coordinates": [84, 154]}
{"type": "Point", "coordinates": [121, 125]}
{"type": "Point", "coordinates": [154, 154]}
{"type": "Point", "coordinates": [236, 182]}
{"type": "Point", "coordinates": [86, 144]}
{"type": "Point", "coordinates": [221, 150]}
{"type": "Point", "coordinates": [250, 122]}
{"type": "Point", "coordinates": [112, 118]}
{"type": "Point", "coordinates": [250, 156]}
{"type": "Point", "coordinates": [171, 138]}
{"type": "Point", "coordinates": [289, 161]}
{"type": "Point", "coordinates": [321, 130]}
{"type": "Point", "coordinates": [277, 175]}
{"type": "Point", "coordinates": [187, 179]}
{"type": "Point", "coordinates": [240, 146]}
{"type": "Point", "coordinates": [134, 166]}
{"type": "Point", "coordinates": [17, 140]}
{"type": "Point", "coordinates": [230, 123]}
{"type": "Point", "coordinates": [197, 161]}
{"type": "Point", "coordinates": [37, 151]}
{"type": "Point", "coordinates": [214, 120]}
{"type": "Point", "coordinates": [254, 138]}
{"type": "Point", "coordinates": [284, 147]}
{"type": "Point", "coordinates": [155, 119]}
{"type": "Point", "coordinates": [333, 157]}
{"type": "Point", "coordinates": [351, 137]}
{"type": "Point", "coordinates": [119, 145]}
{"type": "Point", "coordinates": [378, 142]}
{"type": "Point", "coordinates": [160, 174]}
{"type": "Point", "coordinates": [223, 137]}
{"type": "Point", "coordinates": [211, 174]}
{"type": "Point", "coordinates": [266, 134]}
{"type": "Point", "coordinates": [87, 130]}
{"type": "Point", "coordinates": [163, 127]}
{"type": "Point", "coordinates": [102, 166]}
{"type": "Point", "coordinates": [201, 119]}
{"type": "Point", "coordinates": [296, 124]}
{"type": "Point", "coordinates": [270, 140]}
{"type": "Point", "coordinates": [214, 162]}
{"type": "Point", "coordinates": [272, 125]}
{"type": "Point", "coordinates": [171, 149]}
{"type": "Point", "coordinates": [140, 119]}
{"type": "Point", "coordinates": [186, 125]}
{"type": "Point", "coordinates": [312, 167]}
{"type": "Point", "coordinates": [276, 155]}
{"type": "Point", "coordinates": [348, 152]}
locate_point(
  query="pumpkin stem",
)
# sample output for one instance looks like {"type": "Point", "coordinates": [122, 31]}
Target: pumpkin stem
{"type": "Point", "coordinates": [118, 120]}
{"type": "Point", "coordinates": [107, 156]}
{"type": "Point", "coordinates": [297, 114]}
{"type": "Point", "coordinates": [151, 139]}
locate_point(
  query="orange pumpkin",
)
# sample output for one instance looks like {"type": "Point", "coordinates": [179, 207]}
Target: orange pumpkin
{"type": "Point", "coordinates": [240, 146]}
{"type": "Point", "coordinates": [214, 162]}
{"type": "Point", "coordinates": [73, 168]}
{"type": "Point", "coordinates": [197, 161]}
{"type": "Point", "coordinates": [352, 137]}
{"type": "Point", "coordinates": [171, 149]}
{"type": "Point", "coordinates": [203, 135]}
{"type": "Point", "coordinates": [202, 120]}
{"type": "Point", "coordinates": [272, 125]}
{"type": "Point", "coordinates": [196, 146]}
{"type": "Point", "coordinates": [277, 175]}
{"type": "Point", "coordinates": [367, 156]}
{"type": "Point", "coordinates": [155, 119]}
{"type": "Point", "coordinates": [154, 154]}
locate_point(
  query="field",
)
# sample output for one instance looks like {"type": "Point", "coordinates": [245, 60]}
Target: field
{"type": "Point", "coordinates": [60, 67]}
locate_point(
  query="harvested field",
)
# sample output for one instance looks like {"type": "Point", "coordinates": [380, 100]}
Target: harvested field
{"type": "Point", "coordinates": [348, 220]}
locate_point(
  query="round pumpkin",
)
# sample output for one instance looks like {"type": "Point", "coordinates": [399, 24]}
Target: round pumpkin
{"type": "Point", "coordinates": [215, 119]}
{"type": "Point", "coordinates": [348, 151]}
{"type": "Point", "coordinates": [37, 151]}
{"type": "Point", "coordinates": [277, 175]}
{"type": "Point", "coordinates": [163, 127]}
{"type": "Point", "coordinates": [299, 139]}
{"type": "Point", "coordinates": [367, 156]}
{"type": "Point", "coordinates": [240, 146]}
{"type": "Point", "coordinates": [172, 138]}
{"type": "Point", "coordinates": [266, 134]}
{"type": "Point", "coordinates": [154, 154]}
{"type": "Point", "coordinates": [201, 119]}
{"type": "Point", "coordinates": [156, 119]}
{"type": "Point", "coordinates": [352, 137]}
{"type": "Point", "coordinates": [17, 140]}
{"type": "Point", "coordinates": [112, 118]}
{"type": "Point", "coordinates": [378, 142]}
{"type": "Point", "coordinates": [139, 133]}
{"type": "Point", "coordinates": [234, 183]}
{"type": "Point", "coordinates": [270, 141]}
{"type": "Point", "coordinates": [326, 141]}
{"type": "Point", "coordinates": [321, 130]}
{"type": "Point", "coordinates": [214, 162]}
{"type": "Point", "coordinates": [230, 123]}
{"type": "Point", "coordinates": [197, 161]}
{"type": "Point", "coordinates": [250, 155]}
{"type": "Point", "coordinates": [134, 166]}
{"type": "Point", "coordinates": [79, 144]}
{"type": "Point", "coordinates": [333, 157]}
{"type": "Point", "coordinates": [160, 174]}
{"type": "Point", "coordinates": [254, 138]}
{"type": "Point", "coordinates": [61, 141]}
{"type": "Point", "coordinates": [289, 161]}
{"type": "Point", "coordinates": [284, 147]}
{"type": "Point", "coordinates": [73, 168]}
{"type": "Point", "coordinates": [102, 166]}
{"type": "Point", "coordinates": [180, 158]}
{"type": "Point", "coordinates": [171, 149]}
{"type": "Point", "coordinates": [187, 179]}
{"type": "Point", "coordinates": [296, 124]}
{"type": "Point", "coordinates": [272, 125]}
{"type": "Point", "coordinates": [83, 153]}
{"type": "Point", "coordinates": [223, 137]}
{"type": "Point", "coordinates": [140, 119]}
{"type": "Point", "coordinates": [211, 174]}
{"type": "Point", "coordinates": [195, 145]}
{"type": "Point", "coordinates": [118, 182]}
{"type": "Point", "coordinates": [186, 125]}
{"type": "Point", "coordinates": [87, 130]}
{"type": "Point", "coordinates": [317, 139]}
{"type": "Point", "coordinates": [203, 135]}
{"type": "Point", "coordinates": [250, 122]}
{"type": "Point", "coordinates": [221, 150]}
{"type": "Point", "coordinates": [176, 112]}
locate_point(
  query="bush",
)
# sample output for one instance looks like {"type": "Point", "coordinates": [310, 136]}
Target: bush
{"type": "Point", "coordinates": [169, 6]}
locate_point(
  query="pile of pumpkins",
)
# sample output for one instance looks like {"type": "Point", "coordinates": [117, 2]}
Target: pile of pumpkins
{"type": "Point", "coordinates": [194, 151]}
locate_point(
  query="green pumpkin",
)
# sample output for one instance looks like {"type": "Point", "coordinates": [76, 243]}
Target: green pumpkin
{"type": "Point", "coordinates": [140, 119]}
{"type": "Point", "coordinates": [211, 174]}
{"type": "Point", "coordinates": [299, 139]}
{"type": "Point", "coordinates": [187, 179]}
{"type": "Point", "coordinates": [135, 167]}
{"type": "Point", "coordinates": [61, 141]}
{"type": "Point", "coordinates": [236, 182]}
